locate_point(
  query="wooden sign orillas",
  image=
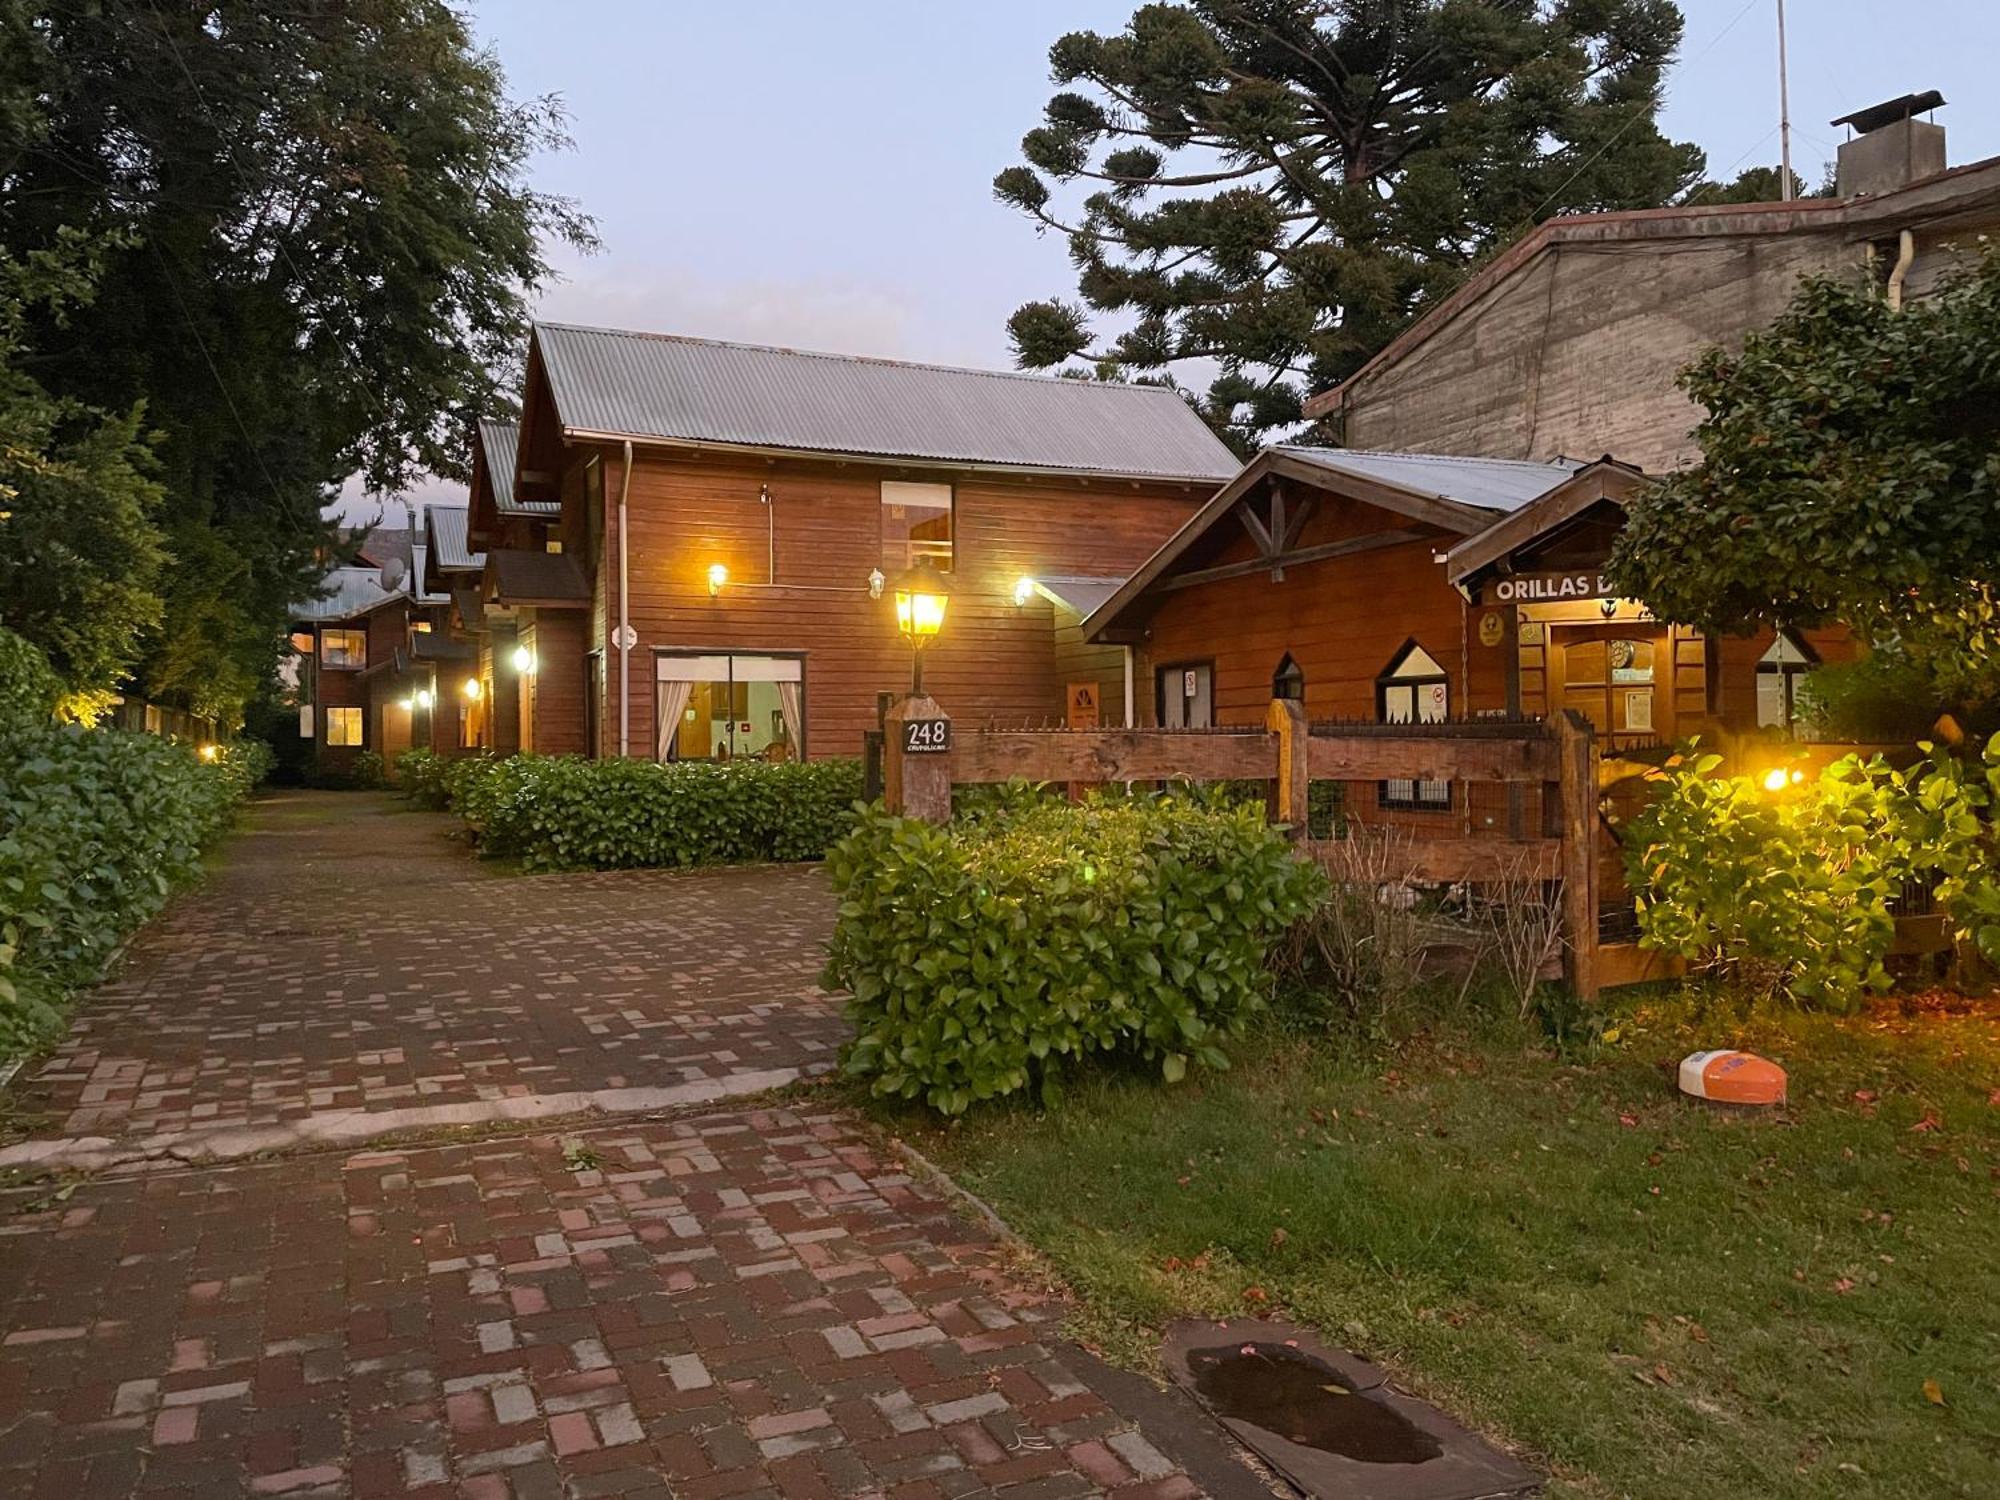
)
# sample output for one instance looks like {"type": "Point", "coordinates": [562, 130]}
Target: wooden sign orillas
{"type": "Point", "coordinates": [1548, 588]}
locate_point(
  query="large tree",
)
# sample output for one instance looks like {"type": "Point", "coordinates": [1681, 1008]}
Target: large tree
{"type": "Point", "coordinates": [80, 556]}
{"type": "Point", "coordinates": [325, 245]}
{"type": "Point", "coordinates": [1275, 188]}
{"type": "Point", "coordinates": [1850, 472]}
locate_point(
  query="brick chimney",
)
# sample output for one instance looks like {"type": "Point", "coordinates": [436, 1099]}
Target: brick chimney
{"type": "Point", "coordinates": [1891, 148]}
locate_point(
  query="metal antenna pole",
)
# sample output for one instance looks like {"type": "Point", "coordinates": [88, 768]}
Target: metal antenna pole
{"type": "Point", "coordinates": [1784, 115]}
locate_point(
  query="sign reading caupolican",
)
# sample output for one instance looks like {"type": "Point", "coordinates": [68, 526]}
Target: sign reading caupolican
{"type": "Point", "coordinates": [926, 736]}
{"type": "Point", "coordinates": [1540, 588]}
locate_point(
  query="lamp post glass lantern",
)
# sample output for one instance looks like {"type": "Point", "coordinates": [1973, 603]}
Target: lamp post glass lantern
{"type": "Point", "coordinates": [921, 597]}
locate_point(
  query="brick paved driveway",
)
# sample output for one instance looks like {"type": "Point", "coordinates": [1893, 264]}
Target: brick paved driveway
{"type": "Point", "coordinates": [753, 1304]}
{"type": "Point", "coordinates": [348, 956]}
{"type": "Point", "coordinates": [698, 1305]}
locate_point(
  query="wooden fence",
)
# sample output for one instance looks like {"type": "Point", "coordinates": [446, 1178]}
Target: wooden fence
{"type": "Point", "coordinates": [925, 754]}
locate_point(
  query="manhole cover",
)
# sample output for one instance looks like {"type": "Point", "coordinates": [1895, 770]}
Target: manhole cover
{"type": "Point", "coordinates": [1329, 1421]}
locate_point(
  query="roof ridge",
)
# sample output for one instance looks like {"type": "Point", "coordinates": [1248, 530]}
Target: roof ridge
{"type": "Point", "coordinates": [1558, 462]}
{"type": "Point", "coordinates": [861, 359]}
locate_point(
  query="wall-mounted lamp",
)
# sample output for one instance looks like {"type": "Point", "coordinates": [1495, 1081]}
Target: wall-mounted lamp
{"type": "Point", "coordinates": [472, 688]}
{"type": "Point", "coordinates": [1024, 590]}
{"type": "Point", "coordinates": [876, 582]}
{"type": "Point", "coordinates": [718, 575]}
{"type": "Point", "coordinates": [424, 698]}
{"type": "Point", "coordinates": [407, 704]}
{"type": "Point", "coordinates": [524, 661]}
{"type": "Point", "coordinates": [210, 752]}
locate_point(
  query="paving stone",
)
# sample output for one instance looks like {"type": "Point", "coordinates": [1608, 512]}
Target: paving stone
{"type": "Point", "coordinates": [749, 1303]}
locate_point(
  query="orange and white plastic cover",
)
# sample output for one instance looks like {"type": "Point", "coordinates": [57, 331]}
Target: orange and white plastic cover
{"type": "Point", "coordinates": [1729, 1077]}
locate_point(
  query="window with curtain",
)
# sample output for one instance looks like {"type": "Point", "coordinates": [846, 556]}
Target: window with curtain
{"type": "Point", "coordinates": [1414, 690]}
{"type": "Point", "coordinates": [716, 707]}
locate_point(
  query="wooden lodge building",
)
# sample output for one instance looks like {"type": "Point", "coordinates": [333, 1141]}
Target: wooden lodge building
{"type": "Point", "coordinates": [685, 544]}
{"type": "Point", "coordinates": [1399, 587]}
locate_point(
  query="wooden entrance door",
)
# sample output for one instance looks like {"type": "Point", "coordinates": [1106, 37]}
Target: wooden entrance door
{"type": "Point", "coordinates": [1619, 676]}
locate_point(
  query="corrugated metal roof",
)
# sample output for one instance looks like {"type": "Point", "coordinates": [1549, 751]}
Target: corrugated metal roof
{"type": "Point", "coordinates": [499, 442]}
{"type": "Point", "coordinates": [523, 577]}
{"type": "Point", "coordinates": [354, 591]}
{"type": "Point", "coordinates": [645, 385]}
{"type": "Point", "coordinates": [1081, 594]}
{"type": "Point", "coordinates": [451, 551]}
{"type": "Point", "coordinates": [1500, 484]}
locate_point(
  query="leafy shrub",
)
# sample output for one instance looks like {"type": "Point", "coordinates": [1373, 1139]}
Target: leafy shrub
{"type": "Point", "coordinates": [1790, 888]}
{"type": "Point", "coordinates": [420, 773]}
{"type": "Point", "coordinates": [567, 813]}
{"type": "Point", "coordinates": [97, 828]}
{"type": "Point", "coordinates": [981, 957]}
{"type": "Point", "coordinates": [367, 771]}
{"type": "Point", "coordinates": [29, 687]}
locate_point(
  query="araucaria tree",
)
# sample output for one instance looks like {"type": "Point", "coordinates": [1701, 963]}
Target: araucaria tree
{"type": "Point", "coordinates": [1272, 189]}
{"type": "Point", "coordinates": [1850, 472]}
{"type": "Point", "coordinates": [313, 242]}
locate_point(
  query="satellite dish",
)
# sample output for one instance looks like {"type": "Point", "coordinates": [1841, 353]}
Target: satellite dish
{"type": "Point", "coordinates": [394, 571]}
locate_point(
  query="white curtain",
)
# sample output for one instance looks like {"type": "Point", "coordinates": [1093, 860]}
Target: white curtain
{"type": "Point", "coordinates": [672, 694]}
{"type": "Point", "coordinates": [788, 700]}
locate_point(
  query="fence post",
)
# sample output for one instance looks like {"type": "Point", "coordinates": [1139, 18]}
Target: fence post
{"type": "Point", "coordinates": [1576, 797]}
{"type": "Point", "coordinates": [917, 784]}
{"type": "Point", "coordinates": [1286, 718]}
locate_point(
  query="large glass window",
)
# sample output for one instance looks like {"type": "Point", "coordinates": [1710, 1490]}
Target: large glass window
{"type": "Point", "coordinates": [1780, 670]}
{"type": "Point", "coordinates": [1414, 690]}
{"type": "Point", "coordinates": [343, 648]}
{"type": "Point", "coordinates": [730, 707]}
{"type": "Point", "coordinates": [916, 524]}
{"type": "Point", "coordinates": [343, 726]}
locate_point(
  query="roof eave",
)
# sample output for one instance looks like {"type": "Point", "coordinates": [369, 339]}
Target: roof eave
{"type": "Point", "coordinates": [887, 460]}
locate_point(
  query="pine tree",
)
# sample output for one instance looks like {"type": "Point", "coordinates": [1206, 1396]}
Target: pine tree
{"type": "Point", "coordinates": [1272, 189]}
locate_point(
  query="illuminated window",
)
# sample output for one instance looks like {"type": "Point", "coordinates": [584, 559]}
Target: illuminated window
{"type": "Point", "coordinates": [552, 545]}
{"type": "Point", "coordinates": [343, 648]}
{"type": "Point", "coordinates": [916, 524]}
{"type": "Point", "coordinates": [343, 726]}
{"type": "Point", "coordinates": [1780, 670]}
{"type": "Point", "coordinates": [1414, 690]}
{"type": "Point", "coordinates": [421, 627]}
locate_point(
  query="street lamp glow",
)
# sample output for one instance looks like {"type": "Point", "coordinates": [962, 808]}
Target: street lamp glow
{"type": "Point", "coordinates": [921, 597]}
{"type": "Point", "coordinates": [472, 688]}
{"type": "Point", "coordinates": [1775, 779]}
{"type": "Point", "coordinates": [406, 704]}
{"type": "Point", "coordinates": [1024, 590]}
{"type": "Point", "coordinates": [424, 697]}
{"type": "Point", "coordinates": [718, 575]}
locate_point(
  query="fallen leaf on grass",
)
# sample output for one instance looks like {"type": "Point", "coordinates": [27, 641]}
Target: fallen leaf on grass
{"type": "Point", "coordinates": [1928, 1123]}
{"type": "Point", "coordinates": [1933, 1393]}
{"type": "Point", "coordinates": [1843, 1285]}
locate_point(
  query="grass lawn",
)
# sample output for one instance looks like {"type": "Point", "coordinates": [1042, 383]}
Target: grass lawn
{"type": "Point", "coordinates": [1644, 1295]}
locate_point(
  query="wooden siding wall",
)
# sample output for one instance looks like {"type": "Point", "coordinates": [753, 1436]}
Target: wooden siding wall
{"type": "Point", "coordinates": [995, 660]}
{"type": "Point", "coordinates": [1078, 661]}
{"type": "Point", "coordinates": [1343, 621]}
{"type": "Point", "coordinates": [553, 719]}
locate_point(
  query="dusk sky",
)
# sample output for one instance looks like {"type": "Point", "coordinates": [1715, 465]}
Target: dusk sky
{"type": "Point", "coordinates": [818, 175]}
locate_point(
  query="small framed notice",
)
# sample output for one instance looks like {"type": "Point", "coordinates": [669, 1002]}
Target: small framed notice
{"type": "Point", "coordinates": [926, 736]}
{"type": "Point", "coordinates": [1639, 711]}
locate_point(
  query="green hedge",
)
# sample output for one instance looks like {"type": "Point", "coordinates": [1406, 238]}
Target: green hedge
{"type": "Point", "coordinates": [97, 828]}
{"type": "Point", "coordinates": [980, 957]}
{"type": "Point", "coordinates": [567, 813]}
